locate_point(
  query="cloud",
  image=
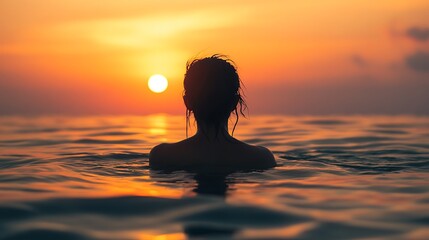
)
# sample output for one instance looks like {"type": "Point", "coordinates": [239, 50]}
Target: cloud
{"type": "Point", "coordinates": [418, 61]}
{"type": "Point", "coordinates": [418, 33]}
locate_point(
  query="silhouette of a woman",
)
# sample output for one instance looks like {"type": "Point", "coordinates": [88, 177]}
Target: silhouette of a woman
{"type": "Point", "coordinates": [212, 92]}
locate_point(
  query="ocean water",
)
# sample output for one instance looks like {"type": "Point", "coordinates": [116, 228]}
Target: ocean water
{"type": "Point", "coordinates": [359, 177]}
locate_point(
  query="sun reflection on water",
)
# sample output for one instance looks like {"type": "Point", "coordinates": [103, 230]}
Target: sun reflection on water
{"type": "Point", "coordinates": [157, 124]}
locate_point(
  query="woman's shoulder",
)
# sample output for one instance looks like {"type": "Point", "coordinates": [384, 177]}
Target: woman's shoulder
{"type": "Point", "coordinates": [156, 154]}
{"type": "Point", "coordinates": [261, 156]}
{"type": "Point", "coordinates": [166, 154]}
{"type": "Point", "coordinates": [161, 151]}
{"type": "Point", "coordinates": [157, 150]}
{"type": "Point", "coordinates": [165, 147]}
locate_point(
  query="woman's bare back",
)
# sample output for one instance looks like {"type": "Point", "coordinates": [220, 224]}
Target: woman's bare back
{"type": "Point", "coordinates": [199, 153]}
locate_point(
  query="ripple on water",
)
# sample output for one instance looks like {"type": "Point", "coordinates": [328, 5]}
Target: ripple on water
{"type": "Point", "coordinates": [335, 230]}
{"type": "Point", "coordinates": [327, 122]}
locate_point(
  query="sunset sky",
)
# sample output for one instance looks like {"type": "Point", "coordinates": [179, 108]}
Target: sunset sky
{"type": "Point", "coordinates": [294, 57]}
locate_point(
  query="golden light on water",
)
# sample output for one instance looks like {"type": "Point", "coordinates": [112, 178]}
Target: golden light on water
{"type": "Point", "coordinates": [157, 124]}
{"type": "Point", "coordinates": [157, 83]}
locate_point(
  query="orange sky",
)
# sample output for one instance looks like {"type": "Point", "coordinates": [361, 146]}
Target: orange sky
{"type": "Point", "coordinates": [295, 57]}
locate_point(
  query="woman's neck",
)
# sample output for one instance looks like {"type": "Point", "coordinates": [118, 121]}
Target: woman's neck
{"type": "Point", "coordinates": [211, 132]}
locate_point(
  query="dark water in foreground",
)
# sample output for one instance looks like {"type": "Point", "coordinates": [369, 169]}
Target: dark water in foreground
{"type": "Point", "coordinates": [338, 178]}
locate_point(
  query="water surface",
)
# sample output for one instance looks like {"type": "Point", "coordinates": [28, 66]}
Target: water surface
{"type": "Point", "coordinates": [337, 178]}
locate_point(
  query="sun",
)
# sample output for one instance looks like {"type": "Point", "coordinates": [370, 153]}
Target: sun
{"type": "Point", "coordinates": [157, 83]}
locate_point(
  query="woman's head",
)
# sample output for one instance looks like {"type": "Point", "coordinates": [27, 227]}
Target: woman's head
{"type": "Point", "coordinates": [212, 89]}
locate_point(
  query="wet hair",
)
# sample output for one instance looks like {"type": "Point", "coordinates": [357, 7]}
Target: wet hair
{"type": "Point", "coordinates": [212, 90]}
